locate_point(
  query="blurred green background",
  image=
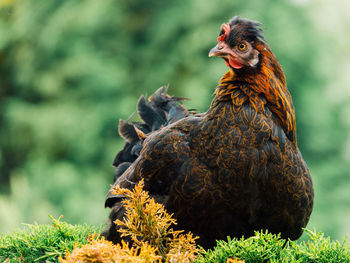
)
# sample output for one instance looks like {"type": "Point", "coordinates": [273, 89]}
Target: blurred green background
{"type": "Point", "coordinates": [70, 69]}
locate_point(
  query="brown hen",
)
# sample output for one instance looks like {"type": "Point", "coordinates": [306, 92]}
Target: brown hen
{"type": "Point", "coordinates": [233, 169]}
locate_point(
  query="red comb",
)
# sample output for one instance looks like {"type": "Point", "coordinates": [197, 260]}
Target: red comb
{"type": "Point", "coordinates": [226, 28]}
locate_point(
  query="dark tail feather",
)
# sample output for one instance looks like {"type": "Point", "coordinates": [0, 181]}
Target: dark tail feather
{"type": "Point", "coordinates": [160, 110]}
{"type": "Point", "coordinates": [127, 131]}
{"type": "Point", "coordinates": [150, 116]}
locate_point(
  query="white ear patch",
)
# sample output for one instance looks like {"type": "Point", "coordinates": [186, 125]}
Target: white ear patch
{"type": "Point", "coordinates": [254, 61]}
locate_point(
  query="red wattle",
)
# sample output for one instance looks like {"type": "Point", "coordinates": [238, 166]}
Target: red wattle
{"type": "Point", "coordinates": [235, 64]}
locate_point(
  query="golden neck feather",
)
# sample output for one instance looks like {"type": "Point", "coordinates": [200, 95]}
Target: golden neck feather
{"type": "Point", "coordinates": [265, 87]}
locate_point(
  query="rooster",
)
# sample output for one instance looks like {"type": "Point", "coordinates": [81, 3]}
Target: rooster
{"type": "Point", "coordinates": [229, 171]}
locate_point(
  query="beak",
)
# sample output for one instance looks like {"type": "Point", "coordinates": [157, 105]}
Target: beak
{"type": "Point", "coordinates": [215, 51]}
{"type": "Point", "coordinates": [221, 50]}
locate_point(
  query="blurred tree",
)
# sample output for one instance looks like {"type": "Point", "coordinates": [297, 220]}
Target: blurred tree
{"type": "Point", "coordinates": [70, 69]}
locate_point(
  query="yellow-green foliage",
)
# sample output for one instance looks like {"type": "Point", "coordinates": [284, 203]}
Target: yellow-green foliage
{"type": "Point", "coordinates": [149, 226]}
{"type": "Point", "coordinates": [100, 250]}
{"type": "Point", "coordinates": [234, 260]}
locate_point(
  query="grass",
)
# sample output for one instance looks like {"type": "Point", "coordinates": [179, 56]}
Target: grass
{"type": "Point", "coordinates": [149, 226]}
{"type": "Point", "coordinates": [43, 243]}
{"type": "Point", "coordinates": [266, 247]}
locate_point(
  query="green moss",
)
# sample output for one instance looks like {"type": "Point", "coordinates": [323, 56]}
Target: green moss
{"type": "Point", "coordinates": [43, 243]}
{"type": "Point", "coordinates": [266, 247]}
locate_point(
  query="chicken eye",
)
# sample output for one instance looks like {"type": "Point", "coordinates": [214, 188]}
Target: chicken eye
{"type": "Point", "coordinates": [242, 46]}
